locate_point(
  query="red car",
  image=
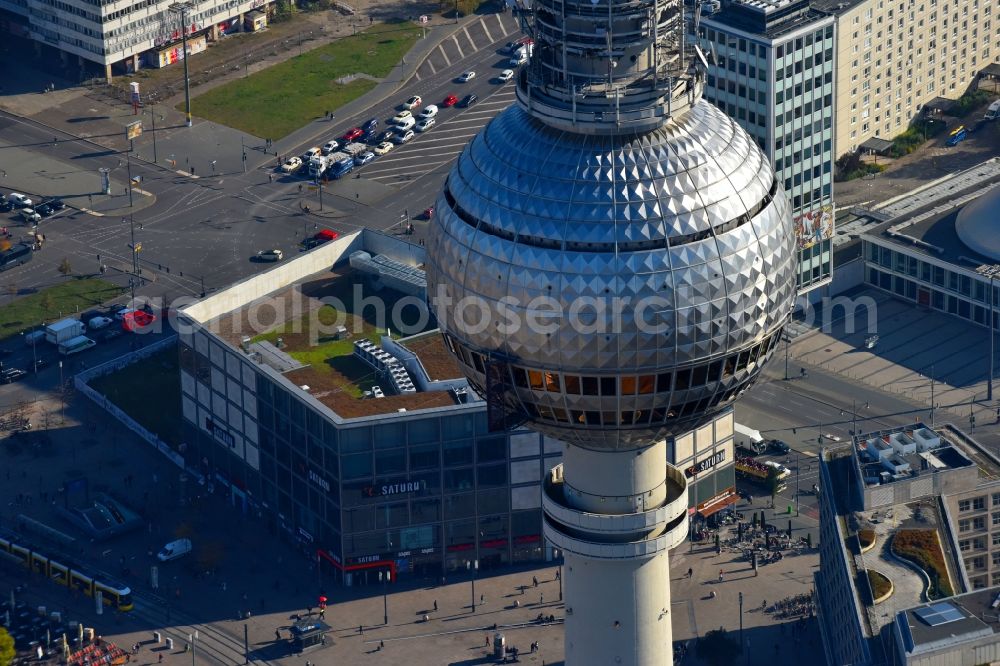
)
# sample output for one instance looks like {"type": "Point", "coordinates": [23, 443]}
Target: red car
{"type": "Point", "coordinates": [450, 100]}
{"type": "Point", "coordinates": [353, 134]}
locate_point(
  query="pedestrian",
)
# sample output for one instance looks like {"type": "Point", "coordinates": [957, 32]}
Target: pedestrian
{"type": "Point", "coordinates": [159, 659]}
{"type": "Point", "coordinates": [541, 598]}
{"type": "Point", "coordinates": [690, 572]}
{"type": "Point", "coordinates": [487, 640]}
{"type": "Point", "coordinates": [277, 634]}
{"type": "Point", "coordinates": [482, 599]}
{"type": "Point", "coordinates": [361, 629]}
{"type": "Point", "coordinates": [381, 644]}
{"type": "Point", "coordinates": [270, 177]}
{"type": "Point", "coordinates": [300, 188]}
{"type": "Point", "coordinates": [534, 581]}
{"type": "Point", "coordinates": [558, 571]}
{"type": "Point", "coordinates": [435, 605]}
{"type": "Point", "coordinates": [192, 171]}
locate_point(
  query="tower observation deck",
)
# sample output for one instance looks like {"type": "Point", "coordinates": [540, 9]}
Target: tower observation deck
{"type": "Point", "coordinates": [611, 261]}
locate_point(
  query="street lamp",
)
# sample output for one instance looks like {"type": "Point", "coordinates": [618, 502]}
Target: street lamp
{"type": "Point", "coordinates": [385, 598]}
{"type": "Point", "coordinates": [474, 566]}
{"type": "Point", "coordinates": [193, 638]}
{"type": "Point", "coordinates": [741, 621]}
{"type": "Point", "coordinates": [990, 271]}
{"type": "Point", "coordinates": [183, 8]}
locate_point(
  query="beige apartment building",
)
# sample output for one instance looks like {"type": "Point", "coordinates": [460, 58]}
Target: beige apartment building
{"type": "Point", "coordinates": [976, 519]}
{"type": "Point", "coordinates": [894, 56]}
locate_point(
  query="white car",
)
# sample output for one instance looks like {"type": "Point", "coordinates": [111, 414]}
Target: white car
{"type": "Point", "coordinates": [505, 76]}
{"type": "Point", "coordinates": [291, 165]}
{"type": "Point", "coordinates": [425, 124]}
{"type": "Point", "coordinates": [270, 255]}
{"type": "Point", "coordinates": [313, 152]}
{"type": "Point", "coordinates": [19, 200]}
{"type": "Point", "coordinates": [30, 215]}
{"type": "Point", "coordinates": [429, 112]}
{"type": "Point", "coordinates": [412, 103]}
{"type": "Point", "coordinates": [467, 76]}
{"type": "Point", "coordinates": [404, 137]}
{"type": "Point", "coordinates": [364, 158]}
{"type": "Point", "coordinates": [383, 148]}
{"type": "Point", "coordinates": [330, 146]}
{"type": "Point", "coordinates": [400, 117]}
{"type": "Point", "coordinates": [98, 323]}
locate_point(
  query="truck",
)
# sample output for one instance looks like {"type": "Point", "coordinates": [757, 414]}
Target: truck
{"type": "Point", "coordinates": [354, 149]}
{"type": "Point", "coordinates": [318, 165]}
{"type": "Point", "coordinates": [75, 345]}
{"type": "Point", "coordinates": [749, 440]}
{"type": "Point", "coordinates": [342, 167]}
{"type": "Point", "coordinates": [993, 112]}
{"type": "Point", "coordinates": [15, 256]}
{"type": "Point", "coordinates": [63, 330]}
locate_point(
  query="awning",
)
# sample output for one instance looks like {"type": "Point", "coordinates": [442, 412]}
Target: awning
{"type": "Point", "coordinates": [940, 105]}
{"type": "Point", "coordinates": [992, 69]}
{"type": "Point", "coordinates": [718, 503]}
{"type": "Point", "coordinates": [876, 145]}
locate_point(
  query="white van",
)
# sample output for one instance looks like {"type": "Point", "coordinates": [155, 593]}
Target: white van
{"type": "Point", "coordinates": [174, 549]}
{"type": "Point", "coordinates": [993, 111]}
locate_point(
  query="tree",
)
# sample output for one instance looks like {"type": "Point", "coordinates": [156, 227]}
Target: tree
{"type": "Point", "coordinates": [718, 649]}
{"type": "Point", "coordinates": [64, 266]}
{"type": "Point", "coordinates": [772, 483]}
{"type": "Point", "coordinates": [7, 652]}
{"type": "Point", "coordinates": [47, 302]}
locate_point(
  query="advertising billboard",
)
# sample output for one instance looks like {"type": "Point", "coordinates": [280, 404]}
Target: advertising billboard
{"type": "Point", "coordinates": [814, 226]}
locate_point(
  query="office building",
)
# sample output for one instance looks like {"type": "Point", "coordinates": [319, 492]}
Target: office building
{"type": "Point", "coordinates": [121, 37]}
{"type": "Point", "coordinates": [373, 452]}
{"type": "Point", "coordinates": [894, 57]}
{"type": "Point", "coordinates": [771, 69]}
{"type": "Point", "coordinates": [921, 494]}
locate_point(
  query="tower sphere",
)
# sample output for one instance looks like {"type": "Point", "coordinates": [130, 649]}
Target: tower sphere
{"type": "Point", "coordinates": [619, 287]}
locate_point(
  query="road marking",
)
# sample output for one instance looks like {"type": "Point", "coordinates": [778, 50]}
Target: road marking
{"type": "Point", "coordinates": [487, 31]}
{"type": "Point", "coordinates": [185, 173]}
{"type": "Point", "coordinates": [142, 192]}
{"type": "Point", "coordinates": [472, 41]}
{"type": "Point", "coordinates": [443, 54]}
{"type": "Point", "coordinates": [458, 46]}
{"type": "Point", "coordinates": [405, 169]}
{"type": "Point", "coordinates": [503, 28]}
{"type": "Point", "coordinates": [431, 65]}
{"type": "Point", "coordinates": [91, 212]}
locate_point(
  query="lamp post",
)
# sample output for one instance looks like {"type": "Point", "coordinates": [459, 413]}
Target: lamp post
{"type": "Point", "coordinates": [385, 598]}
{"type": "Point", "coordinates": [990, 271]}
{"type": "Point", "coordinates": [559, 578]}
{"type": "Point", "coordinates": [182, 8]}
{"type": "Point", "coordinates": [193, 638]}
{"type": "Point", "coordinates": [474, 566]}
{"type": "Point", "coordinates": [741, 621]}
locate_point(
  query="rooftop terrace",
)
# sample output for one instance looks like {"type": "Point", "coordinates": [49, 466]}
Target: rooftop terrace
{"type": "Point", "coordinates": [902, 453]}
{"type": "Point", "coordinates": [307, 331]}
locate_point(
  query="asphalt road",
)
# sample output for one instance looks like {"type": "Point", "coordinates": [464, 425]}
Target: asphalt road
{"type": "Point", "coordinates": [201, 232]}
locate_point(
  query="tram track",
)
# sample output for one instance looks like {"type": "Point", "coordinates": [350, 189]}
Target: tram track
{"type": "Point", "coordinates": [212, 642]}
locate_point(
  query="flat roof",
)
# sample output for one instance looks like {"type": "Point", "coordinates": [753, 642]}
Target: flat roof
{"type": "Point", "coordinates": [769, 19]}
{"type": "Point", "coordinates": [925, 221]}
{"type": "Point", "coordinates": [835, 6]}
{"type": "Point", "coordinates": [295, 330]}
{"type": "Point", "coordinates": [949, 622]}
{"type": "Point", "coordinates": [932, 453]}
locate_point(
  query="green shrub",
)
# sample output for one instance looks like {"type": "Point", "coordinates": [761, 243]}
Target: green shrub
{"type": "Point", "coordinates": [922, 548]}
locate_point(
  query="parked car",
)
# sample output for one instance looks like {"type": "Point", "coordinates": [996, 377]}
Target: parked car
{"type": "Point", "coordinates": [401, 116]}
{"type": "Point", "coordinates": [505, 76]}
{"type": "Point", "coordinates": [174, 549]}
{"type": "Point", "coordinates": [467, 76]}
{"type": "Point", "coordinates": [56, 203]}
{"type": "Point", "coordinates": [330, 146]}
{"type": "Point", "coordinates": [412, 103]}
{"type": "Point", "coordinates": [370, 136]}
{"type": "Point", "coordinates": [352, 134]}
{"type": "Point", "coordinates": [312, 152]}
{"type": "Point", "coordinates": [29, 215]}
{"type": "Point", "coordinates": [370, 124]}
{"type": "Point", "coordinates": [403, 137]}
{"type": "Point", "coordinates": [468, 100]}
{"type": "Point", "coordinates": [19, 200]}
{"type": "Point", "coordinates": [270, 255]}
{"type": "Point", "coordinates": [292, 164]}
{"type": "Point", "coordinates": [450, 100]}
{"type": "Point", "coordinates": [425, 124]}
{"type": "Point", "coordinates": [385, 136]}
{"type": "Point", "coordinates": [108, 334]}
{"type": "Point", "coordinates": [97, 323]}
{"type": "Point", "coordinates": [362, 159]}
{"type": "Point", "coordinates": [45, 210]}
{"type": "Point", "coordinates": [383, 148]}
{"type": "Point", "coordinates": [429, 112]}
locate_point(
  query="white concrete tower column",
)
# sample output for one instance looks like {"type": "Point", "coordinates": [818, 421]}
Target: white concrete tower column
{"type": "Point", "coordinates": [615, 515]}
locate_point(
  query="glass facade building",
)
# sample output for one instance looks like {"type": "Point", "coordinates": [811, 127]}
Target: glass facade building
{"type": "Point", "coordinates": [771, 69]}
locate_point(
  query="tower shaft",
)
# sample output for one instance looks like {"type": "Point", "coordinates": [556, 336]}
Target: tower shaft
{"type": "Point", "coordinates": [615, 515]}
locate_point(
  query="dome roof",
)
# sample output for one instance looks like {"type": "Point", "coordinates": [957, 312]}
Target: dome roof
{"type": "Point", "coordinates": [668, 257]}
{"type": "Point", "coordinates": [978, 224]}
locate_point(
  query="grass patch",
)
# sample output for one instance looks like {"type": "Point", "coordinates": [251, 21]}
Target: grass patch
{"type": "Point", "coordinates": [278, 100]}
{"type": "Point", "coordinates": [150, 392]}
{"type": "Point", "coordinates": [880, 584]}
{"type": "Point", "coordinates": [922, 548]}
{"type": "Point", "coordinates": [48, 305]}
{"type": "Point", "coordinates": [867, 537]}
